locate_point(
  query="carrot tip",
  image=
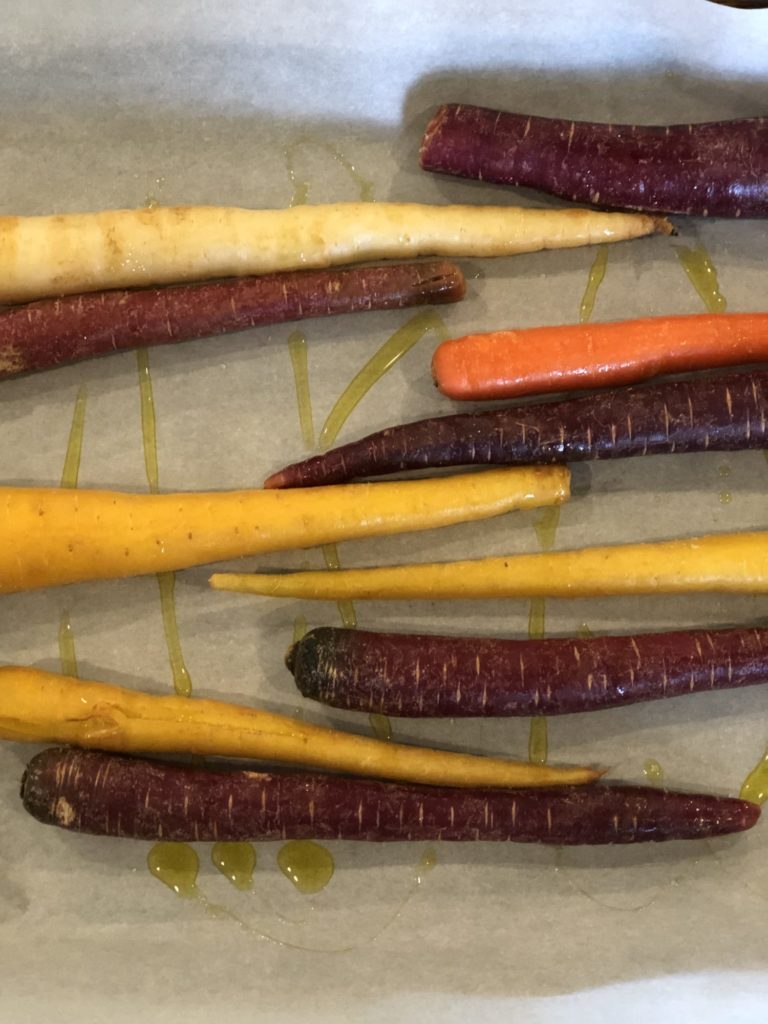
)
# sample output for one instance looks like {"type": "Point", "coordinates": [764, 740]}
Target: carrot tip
{"type": "Point", "coordinates": [275, 481]}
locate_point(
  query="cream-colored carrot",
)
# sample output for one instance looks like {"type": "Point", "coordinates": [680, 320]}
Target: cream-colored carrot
{"type": "Point", "coordinates": [730, 562]}
{"type": "Point", "coordinates": [38, 706]}
{"type": "Point", "coordinates": [57, 255]}
{"type": "Point", "coordinates": [50, 536]}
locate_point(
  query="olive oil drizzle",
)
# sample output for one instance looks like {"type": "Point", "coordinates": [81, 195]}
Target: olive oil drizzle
{"type": "Point", "coordinates": [301, 187]}
{"type": "Point", "coordinates": [400, 343]}
{"type": "Point", "coordinates": [166, 581]}
{"type": "Point", "coordinates": [653, 772]}
{"type": "Point", "coordinates": [71, 471]}
{"type": "Point", "coordinates": [307, 864]}
{"type": "Point", "coordinates": [595, 279]}
{"type": "Point", "coordinates": [701, 272]}
{"type": "Point", "coordinates": [297, 350]}
{"type": "Point", "coordinates": [67, 652]}
{"type": "Point", "coordinates": [381, 727]}
{"type": "Point", "coordinates": [70, 475]}
{"type": "Point", "coordinates": [755, 786]}
{"type": "Point", "coordinates": [237, 862]}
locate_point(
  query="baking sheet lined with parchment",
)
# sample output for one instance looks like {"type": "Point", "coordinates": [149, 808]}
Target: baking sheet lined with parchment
{"type": "Point", "coordinates": [105, 107]}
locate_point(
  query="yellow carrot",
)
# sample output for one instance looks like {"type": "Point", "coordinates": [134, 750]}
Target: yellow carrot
{"type": "Point", "coordinates": [56, 255]}
{"type": "Point", "coordinates": [730, 562]}
{"type": "Point", "coordinates": [51, 536]}
{"type": "Point", "coordinates": [38, 706]}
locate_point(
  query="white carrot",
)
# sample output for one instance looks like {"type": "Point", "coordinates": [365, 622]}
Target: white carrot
{"type": "Point", "coordinates": [57, 255]}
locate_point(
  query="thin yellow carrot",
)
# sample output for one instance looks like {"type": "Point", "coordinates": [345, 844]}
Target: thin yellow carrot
{"type": "Point", "coordinates": [52, 536]}
{"type": "Point", "coordinates": [81, 252]}
{"type": "Point", "coordinates": [536, 360]}
{"type": "Point", "coordinates": [38, 706]}
{"type": "Point", "coordinates": [723, 563]}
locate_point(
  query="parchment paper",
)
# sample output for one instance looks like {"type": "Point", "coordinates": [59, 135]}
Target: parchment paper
{"type": "Point", "coordinates": [105, 104]}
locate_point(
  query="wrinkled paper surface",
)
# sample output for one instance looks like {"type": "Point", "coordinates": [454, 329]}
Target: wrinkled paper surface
{"type": "Point", "coordinates": [119, 105]}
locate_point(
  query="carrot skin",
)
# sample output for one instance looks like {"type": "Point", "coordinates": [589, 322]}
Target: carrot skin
{"type": "Point", "coordinates": [53, 332]}
{"type": "Point", "coordinates": [717, 169]}
{"type": "Point", "coordinates": [723, 413]}
{"type": "Point", "coordinates": [540, 360]}
{"type": "Point", "coordinates": [108, 795]}
{"type": "Point", "coordinates": [423, 676]}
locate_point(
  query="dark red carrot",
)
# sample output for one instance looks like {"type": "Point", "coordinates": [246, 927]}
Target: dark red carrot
{"type": "Point", "coordinates": [717, 169]}
{"type": "Point", "coordinates": [463, 677]}
{"type": "Point", "coordinates": [723, 413]}
{"type": "Point", "coordinates": [109, 795]}
{"type": "Point", "coordinates": [49, 333]}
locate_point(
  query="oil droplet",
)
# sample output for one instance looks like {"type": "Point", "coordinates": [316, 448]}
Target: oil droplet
{"type": "Point", "coordinates": [724, 471]}
{"type": "Point", "coordinates": [300, 188]}
{"type": "Point", "coordinates": [545, 525]}
{"type": "Point", "coordinates": [71, 470]}
{"type": "Point", "coordinates": [595, 279]}
{"type": "Point", "coordinates": [297, 349]}
{"type": "Point", "coordinates": [537, 741]}
{"type": "Point", "coordinates": [236, 861]}
{"type": "Point", "coordinates": [148, 420]}
{"type": "Point", "coordinates": [364, 185]}
{"type": "Point", "coordinates": [381, 727]}
{"type": "Point", "coordinates": [347, 612]}
{"type": "Point", "coordinates": [653, 771]}
{"type": "Point", "coordinates": [401, 342]}
{"type": "Point", "coordinates": [537, 618]}
{"type": "Point", "coordinates": [182, 683]}
{"type": "Point", "coordinates": [584, 631]}
{"type": "Point", "coordinates": [175, 865]}
{"type": "Point", "coordinates": [299, 628]}
{"type": "Point", "coordinates": [426, 864]}
{"type": "Point", "coordinates": [702, 274]}
{"type": "Point", "coordinates": [725, 497]}
{"type": "Point", "coordinates": [67, 654]}
{"type": "Point", "coordinates": [307, 864]}
{"type": "Point", "coordinates": [166, 581]}
{"type": "Point", "coordinates": [755, 786]}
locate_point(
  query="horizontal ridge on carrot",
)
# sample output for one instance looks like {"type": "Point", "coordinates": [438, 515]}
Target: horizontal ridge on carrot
{"type": "Point", "coordinates": [52, 332]}
{"type": "Point", "coordinates": [422, 676]}
{"type": "Point", "coordinates": [85, 252]}
{"type": "Point", "coordinates": [537, 360]}
{"type": "Point", "coordinates": [52, 536]}
{"type": "Point", "coordinates": [723, 413]}
{"type": "Point", "coordinates": [108, 795]}
{"type": "Point", "coordinates": [42, 707]}
{"type": "Point", "coordinates": [715, 563]}
{"type": "Point", "coordinates": [717, 169]}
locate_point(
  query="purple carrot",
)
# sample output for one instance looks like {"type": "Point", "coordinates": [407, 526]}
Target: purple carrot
{"type": "Point", "coordinates": [724, 413]}
{"type": "Point", "coordinates": [464, 677]}
{"type": "Point", "coordinates": [49, 333]}
{"type": "Point", "coordinates": [111, 795]}
{"type": "Point", "coordinates": [718, 169]}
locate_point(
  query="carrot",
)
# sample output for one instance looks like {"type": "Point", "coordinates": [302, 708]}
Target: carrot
{"type": "Point", "coordinates": [717, 169]}
{"type": "Point", "coordinates": [422, 676]}
{"type": "Point", "coordinates": [719, 563]}
{"type": "Point", "coordinates": [513, 363]}
{"type": "Point", "coordinates": [53, 536]}
{"type": "Point", "coordinates": [107, 795]}
{"type": "Point", "coordinates": [85, 252]}
{"type": "Point", "coordinates": [55, 331]}
{"type": "Point", "coordinates": [725, 413]}
{"type": "Point", "coordinates": [38, 706]}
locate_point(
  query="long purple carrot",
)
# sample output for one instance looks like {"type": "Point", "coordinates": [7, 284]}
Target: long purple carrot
{"type": "Point", "coordinates": [723, 413]}
{"type": "Point", "coordinates": [49, 333]}
{"type": "Point", "coordinates": [462, 677]}
{"type": "Point", "coordinates": [109, 795]}
{"type": "Point", "coordinates": [717, 169]}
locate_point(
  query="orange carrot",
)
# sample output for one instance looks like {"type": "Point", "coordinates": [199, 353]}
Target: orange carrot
{"type": "Point", "coordinates": [506, 364]}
